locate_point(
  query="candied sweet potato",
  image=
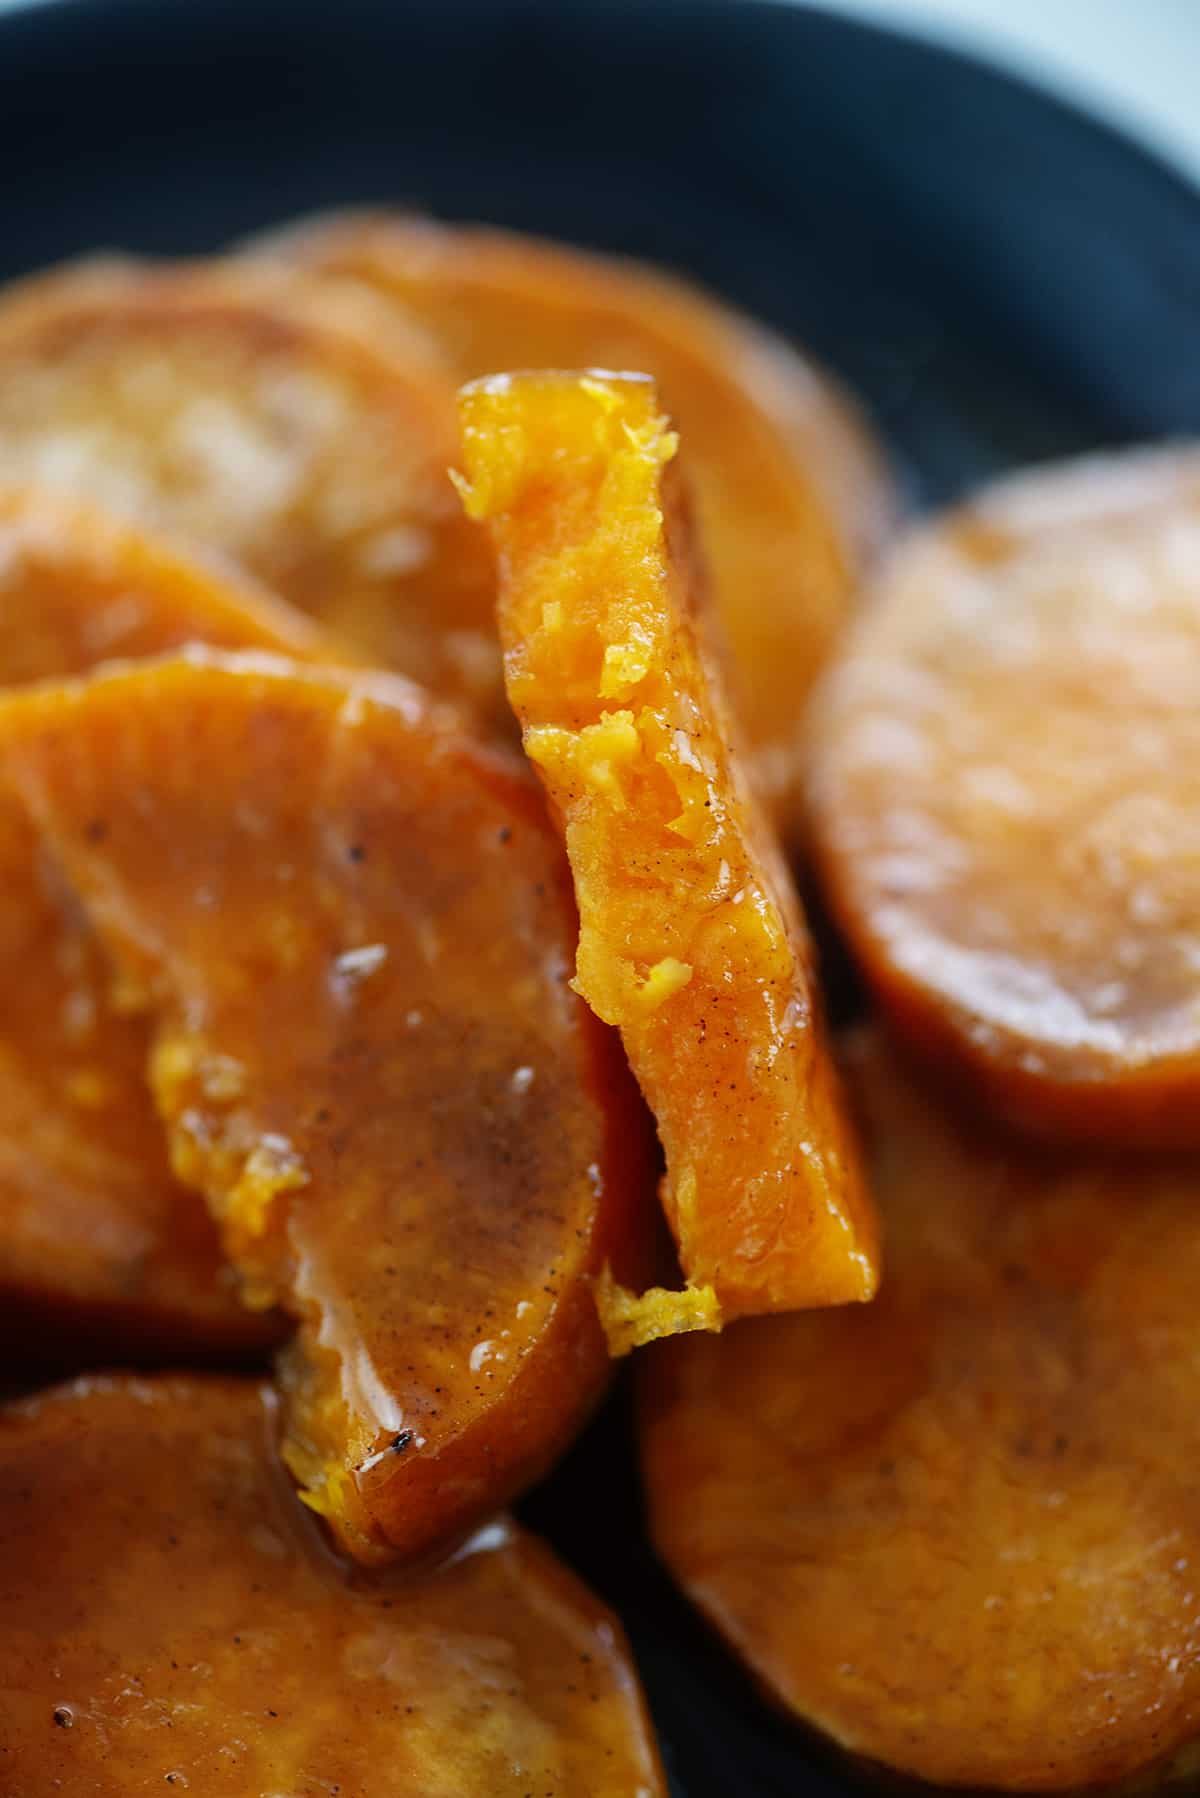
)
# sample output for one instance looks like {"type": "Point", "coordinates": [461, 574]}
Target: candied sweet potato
{"type": "Point", "coordinates": [691, 936]}
{"type": "Point", "coordinates": [355, 929]}
{"type": "Point", "coordinates": [97, 1238]}
{"type": "Point", "coordinates": [167, 1621]}
{"type": "Point", "coordinates": [957, 1529]}
{"type": "Point", "coordinates": [1006, 791]}
{"type": "Point", "coordinates": [790, 489]}
{"type": "Point", "coordinates": [79, 586]}
{"type": "Point", "coordinates": [304, 432]}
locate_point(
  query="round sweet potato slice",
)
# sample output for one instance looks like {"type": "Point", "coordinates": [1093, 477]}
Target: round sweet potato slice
{"type": "Point", "coordinates": [957, 1529]}
{"type": "Point", "coordinates": [302, 430]}
{"type": "Point", "coordinates": [169, 1622]}
{"type": "Point", "coordinates": [355, 930]}
{"type": "Point", "coordinates": [98, 1241]}
{"type": "Point", "coordinates": [1006, 792]}
{"type": "Point", "coordinates": [791, 494]}
{"type": "Point", "coordinates": [80, 586]}
{"type": "Point", "coordinates": [692, 940]}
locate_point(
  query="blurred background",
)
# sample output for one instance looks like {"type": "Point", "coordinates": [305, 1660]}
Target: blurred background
{"type": "Point", "coordinates": [1135, 61]}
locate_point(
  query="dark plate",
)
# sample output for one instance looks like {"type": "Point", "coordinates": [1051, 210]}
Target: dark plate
{"type": "Point", "coordinates": [1000, 277]}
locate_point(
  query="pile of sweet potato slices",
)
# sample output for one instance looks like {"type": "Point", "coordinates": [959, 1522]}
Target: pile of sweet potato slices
{"type": "Point", "coordinates": [401, 798]}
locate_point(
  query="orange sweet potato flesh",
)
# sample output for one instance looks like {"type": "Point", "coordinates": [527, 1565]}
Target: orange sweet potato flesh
{"type": "Point", "coordinates": [1006, 791]}
{"type": "Point", "coordinates": [791, 493]}
{"type": "Point", "coordinates": [354, 929]}
{"type": "Point", "coordinates": [691, 940]}
{"type": "Point", "coordinates": [97, 1238]}
{"type": "Point", "coordinates": [168, 1620]}
{"type": "Point", "coordinates": [303, 432]}
{"type": "Point", "coordinates": [79, 586]}
{"type": "Point", "coordinates": [957, 1530]}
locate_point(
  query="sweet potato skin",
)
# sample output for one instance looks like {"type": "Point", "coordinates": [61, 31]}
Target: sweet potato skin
{"type": "Point", "coordinates": [692, 940]}
{"type": "Point", "coordinates": [792, 495]}
{"type": "Point", "coordinates": [354, 929]}
{"type": "Point", "coordinates": [303, 434]}
{"type": "Point", "coordinates": [102, 1251]}
{"type": "Point", "coordinates": [1005, 798]}
{"type": "Point", "coordinates": [168, 1619]}
{"type": "Point", "coordinates": [957, 1530]}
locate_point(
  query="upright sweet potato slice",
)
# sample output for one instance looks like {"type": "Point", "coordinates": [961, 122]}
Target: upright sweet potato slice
{"type": "Point", "coordinates": [355, 930]}
{"type": "Point", "coordinates": [303, 432]}
{"type": "Point", "coordinates": [791, 493]}
{"type": "Point", "coordinates": [80, 586]}
{"type": "Point", "coordinates": [691, 936]}
{"type": "Point", "coordinates": [1007, 796]}
{"type": "Point", "coordinates": [167, 1621]}
{"type": "Point", "coordinates": [97, 1239]}
{"type": "Point", "coordinates": [958, 1530]}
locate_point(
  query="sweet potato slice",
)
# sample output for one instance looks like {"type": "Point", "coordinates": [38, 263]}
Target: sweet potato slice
{"type": "Point", "coordinates": [303, 432]}
{"type": "Point", "coordinates": [167, 1621]}
{"type": "Point", "coordinates": [691, 936]}
{"type": "Point", "coordinates": [99, 1244]}
{"type": "Point", "coordinates": [355, 929]}
{"type": "Point", "coordinates": [791, 493]}
{"type": "Point", "coordinates": [79, 586]}
{"type": "Point", "coordinates": [97, 1239]}
{"type": "Point", "coordinates": [1007, 797]}
{"type": "Point", "coordinates": [957, 1530]}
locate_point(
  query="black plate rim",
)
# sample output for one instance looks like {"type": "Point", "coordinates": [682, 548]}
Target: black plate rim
{"type": "Point", "coordinates": [61, 15]}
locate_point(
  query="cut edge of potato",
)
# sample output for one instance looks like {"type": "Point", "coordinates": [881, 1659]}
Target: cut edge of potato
{"type": "Point", "coordinates": [586, 735]}
{"type": "Point", "coordinates": [632, 1319]}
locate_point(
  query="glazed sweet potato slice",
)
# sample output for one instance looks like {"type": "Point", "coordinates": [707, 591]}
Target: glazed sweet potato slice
{"type": "Point", "coordinates": [101, 1250]}
{"type": "Point", "coordinates": [691, 936]}
{"type": "Point", "coordinates": [306, 434]}
{"type": "Point", "coordinates": [167, 1620]}
{"type": "Point", "coordinates": [957, 1530]}
{"type": "Point", "coordinates": [1007, 797]}
{"type": "Point", "coordinates": [80, 586]}
{"type": "Point", "coordinates": [355, 932]}
{"type": "Point", "coordinates": [97, 1239]}
{"type": "Point", "coordinates": [791, 493]}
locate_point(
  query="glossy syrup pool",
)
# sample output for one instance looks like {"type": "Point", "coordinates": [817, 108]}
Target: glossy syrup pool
{"type": "Point", "coordinates": [1000, 280]}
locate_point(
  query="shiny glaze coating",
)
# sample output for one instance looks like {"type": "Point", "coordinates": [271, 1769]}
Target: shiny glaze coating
{"type": "Point", "coordinates": [958, 1529]}
{"type": "Point", "coordinates": [791, 492]}
{"type": "Point", "coordinates": [691, 936]}
{"type": "Point", "coordinates": [303, 432]}
{"type": "Point", "coordinates": [1006, 787]}
{"type": "Point", "coordinates": [101, 1249]}
{"type": "Point", "coordinates": [97, 1238]}
{"type": "Point", "coordinates": [170, 1623]}
{"type": "Point", "coordinates": [354, 930]}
